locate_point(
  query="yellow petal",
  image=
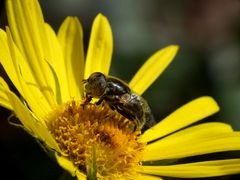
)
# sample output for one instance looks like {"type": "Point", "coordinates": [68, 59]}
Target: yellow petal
{"type": "Point", "coordinates": [27, 27]}
{"type": "Point", "coordinates": [66, 164]}
{"type": "Point", "coordinates": [80, 176]}
{"type": "Point", "coordinates": [20, 74]}
{"type": "Point", "coordinates": [196, 170]}
{"type": "Point", "coordinates": [227, 162]}
{"type": "Point", "coordinates": [69, 166]}
{"type": "Point", "coordinates": [17, 69]}
{"type": "Point", "coordinates": [147, 177]}
{"type": "Point", "coordinates": [3, 97]}
{"type": "Point", "coordinates": [196, 140]}
{"type": "Point", "coordinates": [32, 125]}
{"type": "Point", "coordinates": [188, 114]}
{"type": "Point", "coordinates": [100, 47]}
{"type": "Point", "coordinates": [11, 99]}
{"type": "Point", "coordinates": [4, 102]}
{"type": "Point", "coordinates": [152, 68]}
{"type": "Point", "coordinates": [58, 65]}
{"type": "Point", "coordinates": [70, 36]}
{"type": "Point", "coordinates": [5, 56]}
{"type": "Point", "coordinates": [6, 60]}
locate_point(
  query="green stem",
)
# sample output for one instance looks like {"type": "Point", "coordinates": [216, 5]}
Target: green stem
{"type": "Point", "coordinates": [92, 166]}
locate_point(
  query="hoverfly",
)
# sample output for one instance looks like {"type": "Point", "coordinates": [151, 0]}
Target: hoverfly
{"type": "Point", "coordinates": [119, 97]}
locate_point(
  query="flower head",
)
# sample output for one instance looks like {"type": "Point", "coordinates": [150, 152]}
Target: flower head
{"type": "Point", "coordinates": [91, 140]}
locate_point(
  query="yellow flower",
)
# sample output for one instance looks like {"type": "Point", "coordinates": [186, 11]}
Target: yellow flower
{"type": "Point", "coordinates": [48, 69]}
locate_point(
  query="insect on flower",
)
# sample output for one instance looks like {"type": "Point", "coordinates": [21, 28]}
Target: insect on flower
{"type": "Point", "coordinates": [119, 97]}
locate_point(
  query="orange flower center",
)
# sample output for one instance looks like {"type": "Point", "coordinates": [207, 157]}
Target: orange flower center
{"type": "Point", "coordinates": [91, 133]}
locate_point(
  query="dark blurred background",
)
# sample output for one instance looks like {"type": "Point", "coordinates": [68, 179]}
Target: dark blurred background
{"type": "Point", "coordinates": [208, 63]}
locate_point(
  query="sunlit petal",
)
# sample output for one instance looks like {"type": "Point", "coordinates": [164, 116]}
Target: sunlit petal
{"type": "Point", "coordinates": [32, 125]}
{"type": "Point", "coordinates": [197, 140]}
{"type": "Point", "coordinates": [182, 117]}
{"type": "Point", "coordinates": [66, 164]}
{"type": "Point", "coordinates": [58, 66]}
{"type": "Point", "coordinates": [70, 36]}
{"type": "Point", "coordinates": [152, 68]}
{"type": "Point", "coordinates": [147, 177]}
{"type": "Point", "coordinates": [27, 27]}
{"type": "Point", "coordinates": [196, 170]}
{"type": "Point", "coordinates": [20, 74]}
{"type": "Point", "coordinates": [3, 97]}
{"type": "Point", "coordinates": [100, 47]}
{"type": "Point", "coordinates": [6, 60]}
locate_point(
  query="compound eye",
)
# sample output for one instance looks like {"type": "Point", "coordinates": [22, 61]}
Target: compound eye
{"type": "Point", "coordinates": [97, 84]}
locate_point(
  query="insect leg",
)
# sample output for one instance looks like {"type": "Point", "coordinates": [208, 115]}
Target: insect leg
{"type": "Point", "coordinates": [125, 113]}
{"type": "Point", "coordinates": [99, 101]}
{"type": "Point", "coordinates": [112, 107]}
{"type": "Point", "coordinates": [87, 100]}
